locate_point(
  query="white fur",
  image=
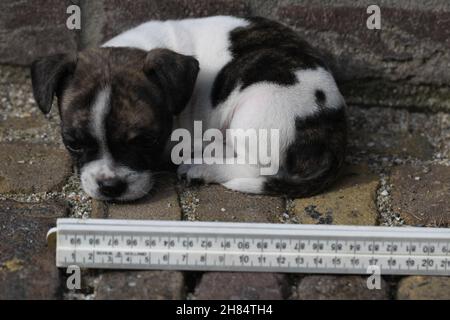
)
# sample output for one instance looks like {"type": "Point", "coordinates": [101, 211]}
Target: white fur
{"type": "Point", "coordinates": [100, 110]}
{"type": "Point", "coordinates": [138, 183]}
{"type": "Point", "coordinates": [259, 106]}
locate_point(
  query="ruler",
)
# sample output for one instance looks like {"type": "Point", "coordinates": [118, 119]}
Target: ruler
{"type": "Point", "coordinates": [256, 247]}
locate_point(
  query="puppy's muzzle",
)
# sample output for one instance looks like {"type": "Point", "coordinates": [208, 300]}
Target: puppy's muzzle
{"type": "Point", "coordinates": [112, 187]}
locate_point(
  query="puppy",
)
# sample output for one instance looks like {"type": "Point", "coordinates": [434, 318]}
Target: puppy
{"type": "Point", "coordinates": [119, 104]}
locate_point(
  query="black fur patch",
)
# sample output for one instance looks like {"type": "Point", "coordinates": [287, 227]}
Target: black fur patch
{"type": "Point", "coordinates": [48, 76]}
{"type": "Point", "coordinates": [321, 98]}
{"type": "Point", "coordinates": [174, 73]}
{"type": "Point", "coordinates": [263, 51]}
{"type": "Point", "coordinates": [314, 160]}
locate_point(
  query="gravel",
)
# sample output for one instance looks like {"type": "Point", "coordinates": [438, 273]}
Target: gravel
{"type": "Point", "coordinates": [289, 216]}
{"type": "Point", "coordinates": [387, 216]}
{"type": "Point", "coordinates": [189, 202]}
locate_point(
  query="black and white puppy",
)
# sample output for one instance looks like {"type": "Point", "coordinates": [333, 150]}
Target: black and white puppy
{"type": "Point", "coordinates": [119, 104]}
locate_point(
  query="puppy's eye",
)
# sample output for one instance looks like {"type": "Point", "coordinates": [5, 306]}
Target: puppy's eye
{"type": "Point", "coordinates": [77, 146]}
{"type": "Point", "coordinates": [143, 140]}
{"type": "Point", "coordinates": [74, 147]}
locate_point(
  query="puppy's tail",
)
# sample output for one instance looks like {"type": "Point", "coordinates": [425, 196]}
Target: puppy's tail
{"type": "Point", "coordinates": [299, 186]}
{"type": "Point", "coordinates": [314, 161]}
{"type": "Point", "coordinates": [293, 186]}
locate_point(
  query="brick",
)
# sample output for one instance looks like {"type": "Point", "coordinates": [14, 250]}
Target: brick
{"type": "Point", "coordinates": [28, 128]}
{"type": "Point", "coordinates": [99, 210]}
{"type": "Point", "coordinates": [27, 266]}
{"type": "Point", "coordinates": [14, 74]}
{"type": "Point", "coordinates": [25, 123]}
{"type": "Point", "coordinates": [106, 19]}
{"type": "Point", "coordinates": [215, 203]}
{"type": "Point", "coordinates": [322, 287]}
{"type": "Point", "coordinates": [392, 133]}
{"type": "Point", "coordinates": [29, 168]}
{"type": "Point", "coordinates": [140, 285]}
{"type": "Point", "coordinates": [350, 202]}
{"type": "Point", "coordinates": [160, 204]}
{"type": "Point", "coordinates": [424, 288]}
{"type": "Point", "coordinates": [377, 67]}
{"type": "Point", "coordinates": [30, 29]}
{"type": "Point", "coordinates": [401, 145]}
{"type": "Point", "coordinates": [240, 286]}
{"type": "Point", "coordinates": [420, 194]}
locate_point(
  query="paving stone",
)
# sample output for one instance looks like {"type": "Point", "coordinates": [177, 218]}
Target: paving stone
{"type": "Point", "coordinates": [420, 194]}
{"type": "Point", "coordinates": [424, 288]}
{"type": "Point", "coordinates": [105, 19]}
{"type": "Point", "coordinates": [22, 123]}
{"type": "Point", "coordinates": [99, 210]}
{"type": "Point", "coordinates": [402, 145]}
{"type": "Point", "coordinates": [321, 287]}
{"type": "Point", "coordinates": [30, 168]}
{"type": "Point", "coordinates": [140, 285]}
{"type": "Point", "coordinates": [395, 133]}
{"type": "Point", "coordinates": [389, 134]}
{"type": "Point", "coordinates": [14, 74]}
{"type": "Point", "coordinates": [160, 204]}
{"type": "Point", "coordinates": [408, 145]}
{"type": "Point", "coordinates": [350, 202]}
{"type": "Point", "coordinates": [216, 203]}
{"type": "Point", "coordinates": [29, 29]}
{"type": "Point", "coordinates": [27, 265]}
{"type": "Point", "coordinates": [241, 286]}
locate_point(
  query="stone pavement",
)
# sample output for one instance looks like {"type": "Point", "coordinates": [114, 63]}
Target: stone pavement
{"type": "Point", "coordinates": [398, 173]}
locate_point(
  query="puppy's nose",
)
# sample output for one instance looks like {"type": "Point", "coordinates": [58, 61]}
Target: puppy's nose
{"type": "Point", "coordinates": [111, 188]}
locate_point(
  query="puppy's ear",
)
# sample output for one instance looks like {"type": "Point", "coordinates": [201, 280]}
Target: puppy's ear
{"type": "Point", "coordinates": [47, 77]}
{"type": "Point", "coordinates": [175, 74]}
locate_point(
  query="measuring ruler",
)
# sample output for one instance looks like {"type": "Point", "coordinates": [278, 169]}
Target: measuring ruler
{"type": "Point", "coordinates": [182, 245]}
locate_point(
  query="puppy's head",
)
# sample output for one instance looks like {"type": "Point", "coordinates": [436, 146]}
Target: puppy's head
{"type": "Point", "coordinates": [116, 107]}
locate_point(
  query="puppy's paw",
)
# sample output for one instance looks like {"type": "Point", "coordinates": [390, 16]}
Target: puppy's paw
{"type": "Point", "coordinates": [194, 174]}
{"type": "Point", "coordinates": [182, 170]}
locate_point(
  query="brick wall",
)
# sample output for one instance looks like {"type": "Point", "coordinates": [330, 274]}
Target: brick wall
{"type": "Point", "coordinates": [406, 64]}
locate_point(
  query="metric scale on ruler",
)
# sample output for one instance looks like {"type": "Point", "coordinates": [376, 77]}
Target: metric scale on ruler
{"type": "Point", "coordinates": [182, 245]}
